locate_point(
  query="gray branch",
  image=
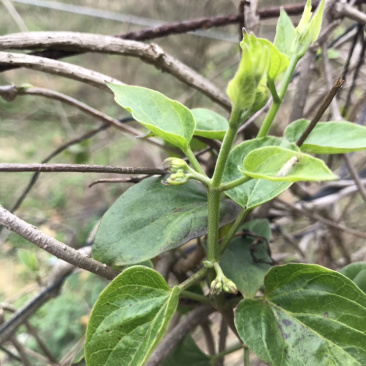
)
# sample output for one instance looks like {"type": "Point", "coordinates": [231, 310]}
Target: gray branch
{"type": "Point", "coordinates": [53, 246]}
{"type": "Point", "coordinates": [84, 42]}
{"type": "Point", "coordinates": [58, 68]}
{"type": "Point", "coordinates": [81, 168]}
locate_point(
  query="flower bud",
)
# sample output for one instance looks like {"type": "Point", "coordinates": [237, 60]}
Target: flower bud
{"type": "Point", "coordinates": [175, 165]}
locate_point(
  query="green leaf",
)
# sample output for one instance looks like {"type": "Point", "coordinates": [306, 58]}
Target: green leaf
{"type": "Point", "coordinates": [164, 117]}
{"type": "Point", "coordinates": [150, 218]}
{"type": "Point", "coordinates": [309, 316]}
{"type": "Point", "coordinates": [278, 61]}
{"type": "Point", "coordinates": [328, 137]}
{"type": "Point", "coordinates": [129, 318]}
{"type": "Point", "coordinates": [285, 33]}
{"type": "Point", "coordinates": [357, 273]}
{"type": "Point", "coordinates": [187, 353]}
{"type": "Point", "coordinates": [253, 66]}
{"type": "Point", "coordinates": [256, 191]}
{"type": "Point", "coordinates": [29, 259]}
{"type": "Point", "coordinates": [246, 260]}
{"type": "Point", "coordinates": [209, 124]}
{"type": "Point", "coordinates": [308, 30]}
{"type": "Point", "coordinates": [283, 165]}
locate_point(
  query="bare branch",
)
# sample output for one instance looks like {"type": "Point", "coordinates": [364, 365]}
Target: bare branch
{"type": "Point", "coordinates": [150, 53]}
{"type": "Point", "coordinates": [58, 68]}
{"type": "Point", "coordinates": [355, 177]}
{"type": "Point", "coordinates": [327, 100]}
{"type": "Point", "coordinates": [53, 246]}
{"type": "Point", "coordinates": [305, 212]}
{"type": "Point", "coordinates": [81, 168]}
{"type": "Point", "coordinates": [345, 10]}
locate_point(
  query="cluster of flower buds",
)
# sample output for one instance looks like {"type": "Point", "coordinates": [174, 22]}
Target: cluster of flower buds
{"type": "Point", "coordinates": [179, 168]}
{"type": "Point", "coordinates": [221, 282]}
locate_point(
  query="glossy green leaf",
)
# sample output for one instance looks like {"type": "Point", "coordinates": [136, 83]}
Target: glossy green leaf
{"type": "Point", "coordinates": [151, 218]}
{"type": "Point", "coordinates": [278, 61]}
{"type": "Point", "coordinates": [246, 260]}
{"type": "Point", "coordinates": [209, 124]}
{"type": "Point", "coordinates": [283, 165]}
{"type": "Point", "coordinates": [285, 33]}
{"type": "Point", "coordinates": [187, 353]}
{"type": "Point", "coordinates": [309, 316]}
{"type": "Point", "coordinates": [357, 273]}
{"type": "Point", "coordinates": [129, 318]}
{"type": "Point", "coordinates": [328, 137]}
{"type": "Point", "coordinates": [256, 191]}
{"type": "Point", "coordinates": [164, 117]}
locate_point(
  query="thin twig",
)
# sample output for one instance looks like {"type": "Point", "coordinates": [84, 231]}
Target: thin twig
{"type": "Point", "coordinates": [355, 74]}
{"type": "Point", "coordinates": [327, 100]}
{"type": "Point", "coordinates": [32, 331]}
{"type": "Point", "coordinates": [53, 246]}
{"type": "Point", "coordinates": [118, 180]}
{"type": "Point", "coordinates": [35, 176]}
{"type": "Point", "coordinates": [80, 168]}
{"type": "Point", "coordinates": [355, 176]}
{"type": "Point", "coordinates": [22, 352]}
{"type": "Point", "coordinates": [305, 212]}
{"type": "Point", "coordinates": [58, 68]}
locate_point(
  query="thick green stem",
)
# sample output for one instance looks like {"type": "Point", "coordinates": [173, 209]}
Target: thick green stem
{"type": "Point", "coordinates": [192, 159]}
{"type": "Point", "coordinates": [234, 227]}
{"type": "Point", "coordinates": [194, 296]}
{"type": "Point", "coordinates": [213, 200]}
{"type": "Point", "coordinates": [225, 148]}
{"type": "Point", "coordinates": [281, 93]}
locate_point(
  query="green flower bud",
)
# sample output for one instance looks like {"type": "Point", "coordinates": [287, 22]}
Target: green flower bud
{"type": "Point", "coordinates": [175, 165]}
{"type": "Point", "coordinates": [177, 179]}
{"type": "Point", "coordinates": [253, 67]}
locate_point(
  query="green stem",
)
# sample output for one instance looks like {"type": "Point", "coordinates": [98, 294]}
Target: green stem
{"type": "Point", "coordinates": [213, 201]}
{"type": "Point", "coordinates": [229, 350]}
{"type": "Point", "coordinates": [234, 227]}
{"type": "Point", "coordinates": [192, 159]}
{"type": "Point", "coordinates": [234, 183]}
{"type": "Point", "coordinates": [194, 296]}
{"type": "Point", "coordinates": [246, 356]}
{"type": "Point", "coordinates": [225, 148]}
{"type": "Point", "coordinates": [281, 93]}
{"type": "Point", "coordinates": [199, 275]}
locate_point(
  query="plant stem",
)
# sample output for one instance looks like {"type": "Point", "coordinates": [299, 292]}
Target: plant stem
{"type": "Point", "coordinates": [213, 200]}
{"type": "Point", "coordinates": [229, 350]}
{"type": "Point", "coordinates": [192, 159]}
{"type": "Point", "coordinates": [233, 229]}
{"type": "Point", "coordinates": [246, 356]}
{"type": "Point", "coordinates": [225, 148]}
{"type": "Point", "coordinates": [281, 93]}
{"type": "Point", "coordinates": [234, 183]}
{"type": "Point", "coordinates": [194, 296]}
{"type": "Point", "coordinates": [199, 275]}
